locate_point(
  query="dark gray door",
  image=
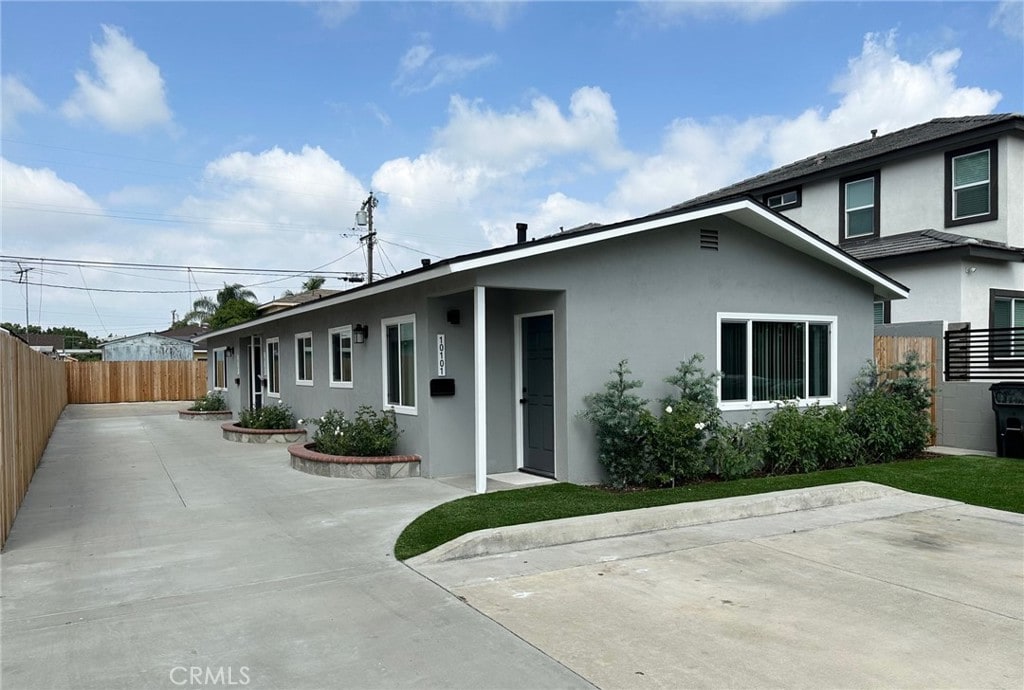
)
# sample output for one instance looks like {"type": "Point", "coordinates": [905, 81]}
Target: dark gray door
{"type": "Point", "coordinates": [256, 372]}
{"type": "Point", "coordinates": [538, 395]}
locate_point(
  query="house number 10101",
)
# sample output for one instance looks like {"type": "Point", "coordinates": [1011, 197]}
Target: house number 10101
{"type": "Point", "coordinates": [442, 356]}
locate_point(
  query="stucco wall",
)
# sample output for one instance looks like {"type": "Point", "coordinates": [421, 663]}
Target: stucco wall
{"type": "Point", "coordinates": [912, 198]}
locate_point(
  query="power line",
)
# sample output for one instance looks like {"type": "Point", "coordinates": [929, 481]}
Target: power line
{"type": "Point", "coordinates": [8, 258]}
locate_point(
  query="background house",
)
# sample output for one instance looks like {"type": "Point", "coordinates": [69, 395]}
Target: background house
{"type": "Point", "coordinates": [940, 208]}
{"type": "Point", "coordinates": [486, 358]}
{"type": "Point", "coordinates": [146, 347]}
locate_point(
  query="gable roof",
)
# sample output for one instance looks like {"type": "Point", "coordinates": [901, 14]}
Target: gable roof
{"type": "Point", "coordinates": [288, 301]}
{"type": "Point", "coordinates": [150, 334]}
{"type": "Point", "coordinates": [922, 241]}
{"type": "Point", "coordinates": [940, 132]}
{"type": "Point", "coordinates": [51, 340]}
{"type": "Point", "coordinates": [184, 332]}
{"type": "Point", "coordinates": [743, 211]}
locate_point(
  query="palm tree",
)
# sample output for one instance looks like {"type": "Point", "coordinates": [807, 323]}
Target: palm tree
{"type": "Point", "coordinates": [204, 308]}
{"type": "Point", "coordinates": [313, 283]}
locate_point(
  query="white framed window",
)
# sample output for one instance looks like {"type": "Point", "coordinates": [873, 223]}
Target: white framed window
{"type": "Point", "coordinates": [274, 367]}
{"type": "Point", "coordinates": [398, 355]}
{"type": "Point", "coordinates": [765, 358]}
{"type": "Point", "coordinates": [1007, 311]}
{"type": "Point", "coordinates": [860, 213]}
{"type": "Point", "coordinates": [789, 198]}
{"type": "Point", "coordinates": [340, 348]}
{"type": "Point", "coordinates": [972, 184]}
{"type": "Point", "coordinates": [304, 359]}
{"type": "Point", "coordinates": [220, 368]}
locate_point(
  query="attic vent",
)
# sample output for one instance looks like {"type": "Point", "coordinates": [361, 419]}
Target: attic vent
{"type": "Point", "coordinates": [709, 240]}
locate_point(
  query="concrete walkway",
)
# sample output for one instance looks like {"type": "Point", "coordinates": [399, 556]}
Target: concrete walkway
{"type": "Point", "coordinates": [150, 553]}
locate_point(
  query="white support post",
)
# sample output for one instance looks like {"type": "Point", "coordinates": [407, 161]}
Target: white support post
{"type": "Point", "coordinates": [480, 385]}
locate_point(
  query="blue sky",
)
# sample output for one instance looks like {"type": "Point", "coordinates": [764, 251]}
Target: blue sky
{"type": "Point", "coordinates": [247, 134]}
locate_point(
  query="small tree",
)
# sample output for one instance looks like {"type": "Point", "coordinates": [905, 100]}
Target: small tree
{"type": "Point", "coordinates": [624, 429]}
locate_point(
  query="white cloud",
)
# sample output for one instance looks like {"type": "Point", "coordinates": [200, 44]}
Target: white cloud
{"type": "Point", "coordinates": [15, 99]}
{"type": "Point", "coordinates": [334, 12]}
{"type": "Point", "coordinates": [525, 139]}
{"type": "Point", "coordinates": [1008, 17]}
{"type": "Point", "coordinates": [880, 90]}
{"type": "Point", "coordinates": [497, 13]}
{"type": "Point", "coordinates": [37, 203]}
{"type": "Point", "coordinates": [127, 93]}
{"type": "Point", "coordinates": [421, 69]}
{"type": "Point", "coordinates": [669, 13]}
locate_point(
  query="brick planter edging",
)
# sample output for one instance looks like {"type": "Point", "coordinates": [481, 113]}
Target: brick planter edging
{"type": "Point", "coordinates": [239, 434]}
{"type": "Point", "coordinates": [207, 416]}
{"type": "Point", "coordinates": [305, 459]}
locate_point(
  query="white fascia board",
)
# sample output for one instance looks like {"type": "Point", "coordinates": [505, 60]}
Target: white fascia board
{"type": "Point", "coordinates": [331, 301]}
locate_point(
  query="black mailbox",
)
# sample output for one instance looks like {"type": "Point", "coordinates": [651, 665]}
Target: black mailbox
{"type": "Point", "coordinates": [442, 387]}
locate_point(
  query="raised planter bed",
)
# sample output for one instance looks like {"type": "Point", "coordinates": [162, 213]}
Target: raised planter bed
{"type": "Point", "coordinates": [240, 434]}
{"type": "Point", "coordinates": [307, 460]}
{"type": "Point", "coordinates": [217, 416]}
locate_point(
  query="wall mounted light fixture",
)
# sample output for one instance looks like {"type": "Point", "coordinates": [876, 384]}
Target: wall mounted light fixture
{"type": "Point", "coordinates": [229, 351]}
{"type": "Point", "coordinates": [360, 332]}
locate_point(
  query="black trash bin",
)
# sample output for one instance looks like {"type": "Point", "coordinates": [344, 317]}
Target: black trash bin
{"type": "Point", "coordinates": [1008, 403]}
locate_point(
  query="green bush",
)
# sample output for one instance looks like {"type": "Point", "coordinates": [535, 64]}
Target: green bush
{"type": "Point", "coordinates": [624, 428]}
{"type": "Point", "coordinates": [277, 416]}
{"type": "Point", "coordinates": [370, 434]}
{"type": "Point", "coordinates": [889, 410]}
{"type": "Point", "coordinates": [737, 451]}
{"type": "Point", "coordinates": [815, 439]}
{"type": "Point", "coordinates": [213, 401]}
{"type": "Point", "coordinates": [679, 438]}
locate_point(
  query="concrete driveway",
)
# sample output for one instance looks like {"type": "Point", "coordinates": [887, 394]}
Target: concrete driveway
{"type": "Point", "coordinates": [856, 586]}
{"type": "Point", "coordinates": [150, 553]}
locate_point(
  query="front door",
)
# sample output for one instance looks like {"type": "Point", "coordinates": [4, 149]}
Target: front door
{"type": "Point", "coordinates": [538, 394]}
{"type": "Point", "coordinates": [256, 372]}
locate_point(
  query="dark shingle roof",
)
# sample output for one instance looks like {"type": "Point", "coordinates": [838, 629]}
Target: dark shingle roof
{"type": "Point", "coordinates": [916, 243]}
{"type": "Point", "coordinates": [184, 332]}
{"type": "Point", "coordinates": [933, 131]}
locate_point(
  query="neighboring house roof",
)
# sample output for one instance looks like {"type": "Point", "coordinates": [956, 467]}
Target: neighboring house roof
{"type": "Point", "coordinates": [289, 301]}
{"type": "Point", "coordinates": [939, 132]}
{"type": "Point", "coordinates": [743, 211]}
{"type": "Point", "coordinates": [923, 241]}
{"type": "Point", "coordinates": [49, 340]}
{"type": "Point", "coordinates": [145, 335]}
{"type": "Point", "coordinates": [184, 332]}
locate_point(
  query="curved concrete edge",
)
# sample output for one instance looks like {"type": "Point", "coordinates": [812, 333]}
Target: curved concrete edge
{"type": "Point", "coordinates": [209, 416]}
{"type": "Point", "coordinates": [305, 459]}
{"type": "Point", "coordinates": [604, 525]}
{"type": "Point", "coordinates": [239, 434]}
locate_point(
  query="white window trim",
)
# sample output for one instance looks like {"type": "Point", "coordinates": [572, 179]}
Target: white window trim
{"type": "Point", "coordinates": [298, 353]}
{"type": "Point", "coordinates": [266, 361]}
{"type": "Point", "coordinates": [395, 321]}
{"type": "Point", "coordinates": [849, 209]}
{"type": "Point", "coordinates": [987, 181]}
{"type": "Point", "coordinates": [343, 331]}
{"type": "Point", "coordinates": [223, 351]}
{"type": "Point", "coordinates": [748, 404]}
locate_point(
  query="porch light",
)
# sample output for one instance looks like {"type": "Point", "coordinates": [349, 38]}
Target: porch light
{"type": "Point", "coordinates": [229, 351]}
{"type": "Point", "coordinates": [360, 332]}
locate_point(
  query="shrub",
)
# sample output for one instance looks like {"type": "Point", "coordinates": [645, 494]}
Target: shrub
{"type": "Point", "coordinates": [817, 438]}
{"type": "Point", "coordinates": [737, 451]}
{"type": "Point", "coordinates": [690, 418]}
{"type": "Point", "coordinates": [624, 429]}
{"type": "Point", "coordinates": [889, 410]}
{"type": "Point", "coordinates": [370, 434]}
{"type": "Point", "coordinates": [277, 416]}
{"type": "Point", "coordinates": [211, 402]}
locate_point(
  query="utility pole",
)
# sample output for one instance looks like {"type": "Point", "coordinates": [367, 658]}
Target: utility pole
{"type": "Point", "coordinates": [364, 216]}
{"type": "Point", "coordinates": [23, 278]}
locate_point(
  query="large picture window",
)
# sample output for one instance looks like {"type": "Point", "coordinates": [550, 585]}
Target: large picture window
{"type": "Point", "coordinates": [304, 359]}
{"type": "Point", "coordinates": [971, 189]}
{"type": "Point", "coordinates": [341, 356]}
{"type": "Point", "coordinates": [1007, 312]}
{"type": "Point", "coordinates": [399, 343]}
{"type": "Point", "coordinates": [273, 367]}
{"type": "Point", "coordinates": [220, 368]}
{"type": "Point", "coordinates": [767, 358]}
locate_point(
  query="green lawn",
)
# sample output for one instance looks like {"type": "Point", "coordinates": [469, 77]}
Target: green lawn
{"type": "Point", "coordinates": [991, 482]}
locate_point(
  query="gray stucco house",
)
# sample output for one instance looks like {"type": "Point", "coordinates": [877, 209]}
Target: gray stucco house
{"type": "Point", "coordinates": [486, 357]}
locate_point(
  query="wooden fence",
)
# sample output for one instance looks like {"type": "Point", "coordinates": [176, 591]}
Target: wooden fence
{"type": "Point", "coordinates": [893, 349]}
{"type": "Point", "coordinates": [106, 382]}
{"type": "Point", "coordinates": [33, 393]}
